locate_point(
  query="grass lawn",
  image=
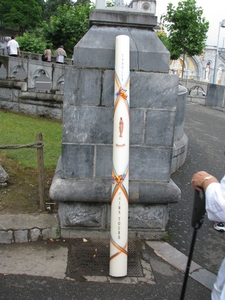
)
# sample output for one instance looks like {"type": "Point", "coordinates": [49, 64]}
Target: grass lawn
{"type": "Point", "coordinates": [18, 129]}
{"type": "Point", "coordinates": [21, 194]}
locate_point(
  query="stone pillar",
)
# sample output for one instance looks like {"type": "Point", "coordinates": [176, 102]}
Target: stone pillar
{"type": "Point", "coordinates": [82, 180]}
{"type": "Point", "coordinates": [215, 95]}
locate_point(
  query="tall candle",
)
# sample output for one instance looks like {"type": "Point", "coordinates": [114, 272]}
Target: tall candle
{"type": "Point", "coordinates": [120, 170]}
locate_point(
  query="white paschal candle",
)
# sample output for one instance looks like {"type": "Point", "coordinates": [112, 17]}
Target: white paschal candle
{"type": "Point", "coordinates": [120, 170]}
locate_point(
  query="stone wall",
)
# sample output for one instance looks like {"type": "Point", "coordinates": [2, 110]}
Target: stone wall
{"type": "Point", "coordinates": [21, 95]}
{"type": "Point", "coordinates": [82, 178]}
{"type": "Point", "coordinates": [14, 97]}
{"type": "Point", "coordinates": [24, 228]}
{"type": "Point", "coordinates": [204, 93]}
{"type": "Point", "coordinates": [216, 96]}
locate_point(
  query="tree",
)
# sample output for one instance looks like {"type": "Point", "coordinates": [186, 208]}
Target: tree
{"type": "Point", "coordinates": [33, 42]}
{"type": "Point", "coordinates": [50, 7]}
{"type": "Point", "coordinates": [187, 29]}
{"type": "Point", "coordinates": [68, 26]}
{"type": "Point", "coordinates": [110, 3]}
{"type": "Point", "coordinates": [174, 53]}
{"type": "Point", "coordinates": [21, 14]}
{"type": "Point", "coordinates": [83, 2]}
{"type": "Point", "coordinates": [163, 37]}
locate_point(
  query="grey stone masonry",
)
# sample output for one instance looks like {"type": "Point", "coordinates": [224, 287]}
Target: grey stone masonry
{"type": "Point", "coordinates": [35, 234]}
{"type": "Point", "coordinates": [92, 190]}
{"type": "Point", "coordinates": [122, 16]}
{"type": "Point", "coordinates": [21, 236]}
{"type": "Point", "coordinates": [82, 181]}
{"type": "Point", "coordinates": [6, 236]}
{"type": "Point", "coordinates": [88, 128]}
{"type": "Point", "coordinates": [95, 57]}
{"type": "Point", "coordinates": [4, 176]}
{"type": "Point", "coordinates": [23, 228]}
{"type": "Point", "coordinates": [97, 48]}
{"type": "Point", "coordinates": [146, 221]}
{"type": "Point", "coordinates": [215, 95]}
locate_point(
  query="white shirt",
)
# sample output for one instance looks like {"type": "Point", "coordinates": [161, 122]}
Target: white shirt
{"type": "Point", "coordinates": [215, 207]}
{"type": "Point", "coordinates": [60, 58]}
{"type": "Point", "coordinates": [215, 201]}
{"type": "Point", "coordinates": [13, 47]}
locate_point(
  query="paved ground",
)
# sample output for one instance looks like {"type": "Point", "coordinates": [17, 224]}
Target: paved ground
{"type": "Point", "coordinates": [42, 270]}
{"type": "Point", "coordinates": [205, 128]}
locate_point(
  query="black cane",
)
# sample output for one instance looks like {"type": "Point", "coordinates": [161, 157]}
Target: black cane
{"type": "Point", "coordinates": [197, 221]}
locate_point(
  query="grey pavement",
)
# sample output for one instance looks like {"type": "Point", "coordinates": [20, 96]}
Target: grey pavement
{"type": "Point", "coordinates": [205, 130]}
{"type": "Point", "coordinates": [41, 270]}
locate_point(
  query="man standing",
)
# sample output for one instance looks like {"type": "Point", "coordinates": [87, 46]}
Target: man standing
{"type": "Point", "coordinates": [59, 54]}
{"type": "Point", "coordinates": [215, 207]}
{"type": "Point", "coordinates": [13, 47]}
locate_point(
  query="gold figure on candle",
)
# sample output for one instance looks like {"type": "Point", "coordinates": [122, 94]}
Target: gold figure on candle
{"type": "Point", "coordinates": [122, 93]}
{"type": "Point", "coordinates": [118, 179]}
{"type": "Point", "coordinates": [121, 126]}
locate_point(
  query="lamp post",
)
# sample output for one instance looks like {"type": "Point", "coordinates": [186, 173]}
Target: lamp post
{"type": "Point", "coordinates": [221, 24]}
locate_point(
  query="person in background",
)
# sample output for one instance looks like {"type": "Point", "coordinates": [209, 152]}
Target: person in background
{"type": "Point", "coordinates": [72, 59]}
{"type": "Point", "coordinates": [13, 47]}
{"type": "Point", "coordinates": [60, 54]}
{"type": "Point", "coordinates": [215, 207]}
{"type": "Point", "coordinates": [48, 53]}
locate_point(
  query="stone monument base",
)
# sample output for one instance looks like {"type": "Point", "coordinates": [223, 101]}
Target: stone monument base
{"type": "Point", "coordinates": [89, 217]}
{"type": "Point", "coordinates": [92, 220]}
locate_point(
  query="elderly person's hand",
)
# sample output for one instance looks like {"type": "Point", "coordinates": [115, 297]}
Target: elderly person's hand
{"type": "Point", "coordinates": [202, 179]}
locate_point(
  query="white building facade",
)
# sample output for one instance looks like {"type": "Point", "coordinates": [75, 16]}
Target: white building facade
{"type": "Point", "coordinates": [202, 67]}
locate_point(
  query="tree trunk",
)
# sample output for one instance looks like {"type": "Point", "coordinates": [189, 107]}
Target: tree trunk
{"type": "Point", "coordinates": [182, 74]}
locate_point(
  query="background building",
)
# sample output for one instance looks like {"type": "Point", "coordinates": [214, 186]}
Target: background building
{"type": "Point", "coordinates": [202, 67]}
{"type": "Point", "coordinates": [145, 5]}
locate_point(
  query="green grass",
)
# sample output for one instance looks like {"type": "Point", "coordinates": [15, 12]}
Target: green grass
{"type": "Point", "coordinates": [18, 129]}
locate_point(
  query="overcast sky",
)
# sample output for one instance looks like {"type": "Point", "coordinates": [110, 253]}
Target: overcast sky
{"type": "Point", "coordinates": [213, 11]}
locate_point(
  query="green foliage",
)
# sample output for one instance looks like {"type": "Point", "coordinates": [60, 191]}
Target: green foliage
{"type": "Point", "coordinates": [58, 232]}
{"type": "Point", "coordinates": [33, 42]}
{"type": "Point", "coordinates": [22, 130]}
{"type": "Point", "coordinates": [63, 22]}
{"type": "Point", "coordinates": [187, 28]}
{"type": "Point", "coordinates": [174, 53]}
{"type": "Point", "coordinates": [110, 3]}
{"type": "Point", "coordinates": [20, 14]}
{"type": "Point", "coordinates": [50, 7]}
{"type": "Point", "coordinates": [68, 26]}
{"type": "Point", "coordinates": [82, 2]}
{"type": "Point", "coordinates": [166, 236]}
{"type": "Point", "coordinates": [163, 37]}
